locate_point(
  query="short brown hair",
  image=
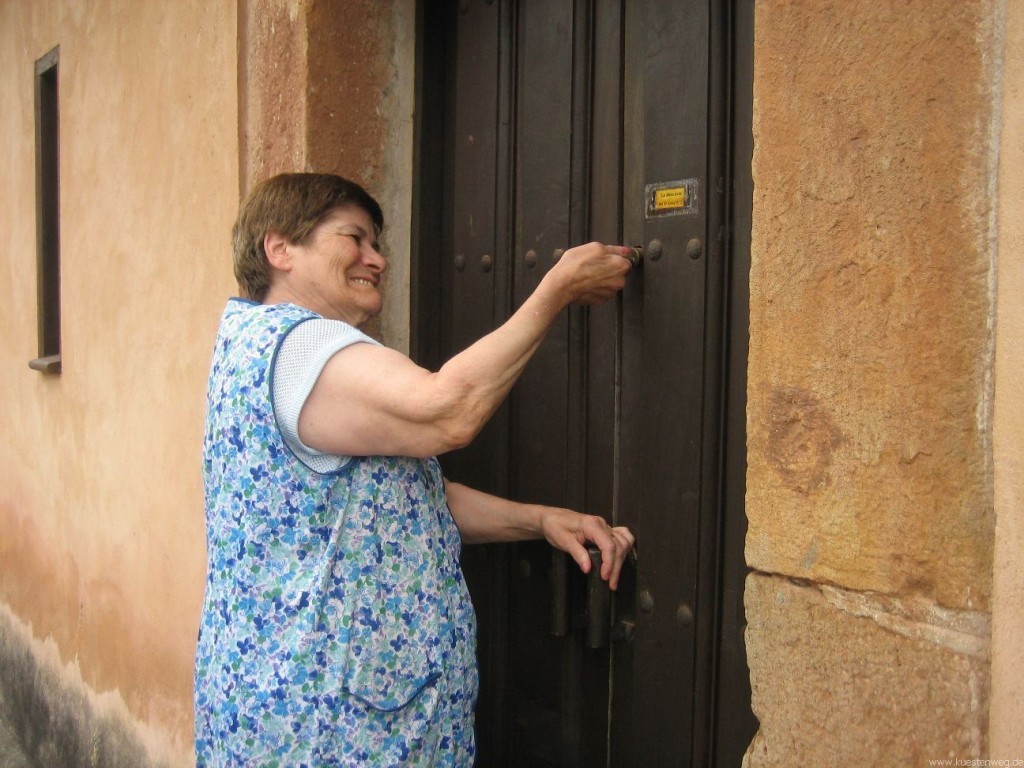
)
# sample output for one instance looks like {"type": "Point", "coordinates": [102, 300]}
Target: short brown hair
{"type": "Point", "coordinates": [291, 204]}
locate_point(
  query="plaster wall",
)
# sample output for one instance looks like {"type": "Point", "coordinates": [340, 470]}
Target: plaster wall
{"type": "Point", "coordinates": [869, 486]}
{"type": "Point", "coordinates": [102, 550]}
{"type": "Point", "coordinates": [1007, 710]}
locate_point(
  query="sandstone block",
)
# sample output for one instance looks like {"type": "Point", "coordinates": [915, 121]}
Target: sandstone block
{"type": "Point", "coordinates": [869, 399]}
{"type": "Point", "coordinates": [841, 678]}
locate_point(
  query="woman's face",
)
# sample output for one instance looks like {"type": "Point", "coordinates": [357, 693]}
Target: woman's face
{"type": "Point", "coordinates": [337, 271]}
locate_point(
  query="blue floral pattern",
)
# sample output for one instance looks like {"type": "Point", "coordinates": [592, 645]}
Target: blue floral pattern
{"type": "Point", "coordinates": [337, 629]}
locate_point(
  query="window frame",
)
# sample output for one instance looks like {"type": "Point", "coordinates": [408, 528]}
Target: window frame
{"type": "Point", "coordinates": [47, 143]}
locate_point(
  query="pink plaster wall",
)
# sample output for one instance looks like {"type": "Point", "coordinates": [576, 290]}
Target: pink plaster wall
{"type": "Point", "coordinates": [1007, 712]}
{"type": "Point", "coordinates": [102, 551]}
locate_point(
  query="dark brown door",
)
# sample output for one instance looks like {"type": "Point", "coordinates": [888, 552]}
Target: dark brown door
{"type": "Point", "coordinates": [548, 123]}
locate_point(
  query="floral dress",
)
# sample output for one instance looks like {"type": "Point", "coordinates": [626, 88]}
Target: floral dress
{"type": "Point", "coordinates": [336, 628]}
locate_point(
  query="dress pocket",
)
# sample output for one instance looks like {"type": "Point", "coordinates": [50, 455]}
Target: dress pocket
{"type": "Point", "coordinates": [394, 644]}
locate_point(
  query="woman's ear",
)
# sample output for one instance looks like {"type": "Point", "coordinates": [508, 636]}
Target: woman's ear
{"type": "Point", "coordinates": [275, 245]}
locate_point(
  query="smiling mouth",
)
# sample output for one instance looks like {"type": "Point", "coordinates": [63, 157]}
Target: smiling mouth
{"type": "Point", "coordinates": [363, 281]}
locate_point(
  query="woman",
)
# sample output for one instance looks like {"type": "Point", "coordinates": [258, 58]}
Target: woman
{"type": "Point", "coordinates": [337, 629]}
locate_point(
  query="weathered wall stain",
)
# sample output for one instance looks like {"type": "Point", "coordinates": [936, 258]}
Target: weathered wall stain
{"type": "Point", "coordinates": [802, 436]}
{"type": "Point", "coordinates": [93, 624]}
{"type": "Point", "coordinates": [57, 722]}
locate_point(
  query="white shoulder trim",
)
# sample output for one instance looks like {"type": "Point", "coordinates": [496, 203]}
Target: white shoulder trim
{"type": "Point", "coordinates": [301, 356]}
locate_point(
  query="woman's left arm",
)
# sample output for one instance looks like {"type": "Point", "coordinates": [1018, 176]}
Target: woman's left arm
{"type": "Point", "coordinates": [483, 518]}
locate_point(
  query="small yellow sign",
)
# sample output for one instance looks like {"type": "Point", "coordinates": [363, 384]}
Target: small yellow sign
{"type": "Point", "coordinates": [678, 197]}
{"type": "Point", "coordinates": [669, 198]}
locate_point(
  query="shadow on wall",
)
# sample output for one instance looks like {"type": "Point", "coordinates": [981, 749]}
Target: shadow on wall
{"type": "Point", "coordinates": [45, 722]}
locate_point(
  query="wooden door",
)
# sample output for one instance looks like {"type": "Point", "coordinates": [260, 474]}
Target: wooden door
{"type": "Point", "coordinates": [548, 123]}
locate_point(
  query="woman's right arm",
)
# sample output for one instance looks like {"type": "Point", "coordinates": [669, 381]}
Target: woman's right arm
{"type": "Point", "coordinates": [371, 401]}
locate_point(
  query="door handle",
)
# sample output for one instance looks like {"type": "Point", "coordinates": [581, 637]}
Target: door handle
{"type": "Point", "coordinates": [598, 603]}
{"type": "Point", "coordinates": [652, 251]}
{"type": "Point", "coordinates": [559, 594]}
{"type": "Point", "coordinates": [596, 617]}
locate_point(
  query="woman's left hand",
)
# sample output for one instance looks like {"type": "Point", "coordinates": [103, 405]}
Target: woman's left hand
{"type": "Point", "coordinates": [571, 531]}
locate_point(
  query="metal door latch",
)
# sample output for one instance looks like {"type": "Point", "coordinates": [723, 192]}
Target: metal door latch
{"type": "Point", "coordinates": [598, 603]}
{"type": "Point", "coordinates": [596, 618]}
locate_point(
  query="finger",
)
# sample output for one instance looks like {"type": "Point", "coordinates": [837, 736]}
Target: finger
{"type": "Point", "coordinates": [579, 553]}
{"type": "Point", "coordinates": [630, 255]}
{"type": "Point", "coordinates": [627, 536]}
{"type": "Point", "coordinates": [600, 295]}
{"type": "Point", "coordinates": [624, 544]}
{"type": "Point", "coordinates": [610, 556]}
{"type": "Point", "coordinates": [614, 568]}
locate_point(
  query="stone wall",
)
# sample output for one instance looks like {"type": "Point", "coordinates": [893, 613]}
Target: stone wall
{"type": "Point", "coordinates": [870, 497]}
{"type": "Point", "coordinates": [328, 86]}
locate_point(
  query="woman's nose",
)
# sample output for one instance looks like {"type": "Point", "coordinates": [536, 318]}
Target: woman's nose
{"type": "Point", "coordinates": [374, 259]}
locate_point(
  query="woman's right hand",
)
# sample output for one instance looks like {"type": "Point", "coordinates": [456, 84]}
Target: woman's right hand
{"type": "Point", "coordinates": [591, 273]}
